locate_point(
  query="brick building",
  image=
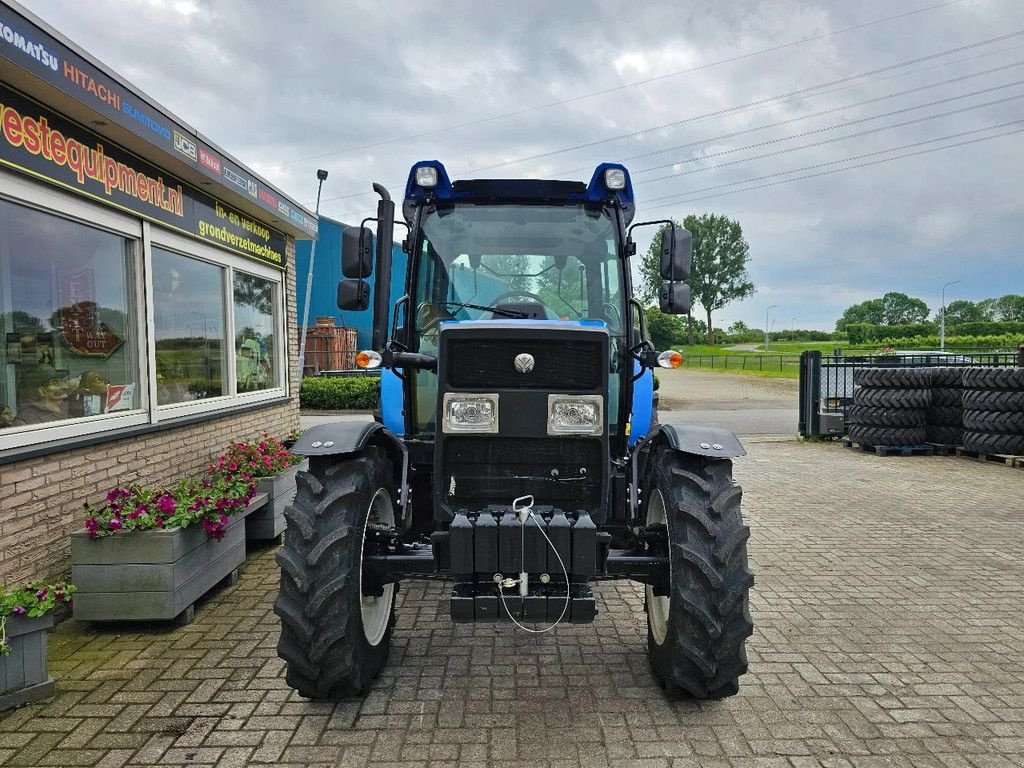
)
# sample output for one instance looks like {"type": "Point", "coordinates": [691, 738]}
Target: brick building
{"type": "Point", "coordinates": [147, 294]}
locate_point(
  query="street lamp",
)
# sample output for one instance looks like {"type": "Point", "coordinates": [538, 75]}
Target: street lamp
{"type": "Point", "coordinates": [773, 306]}
{"type": "Point", "coordinates": [942, 319]}
{"type": "Point", "coordinates": [322, 176]}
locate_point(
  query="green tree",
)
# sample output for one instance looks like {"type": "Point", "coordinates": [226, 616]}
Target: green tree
{"type": "Point", "coordinates": [662, 329]}
{"type": "Point", "coordinates": [1010, 308]}
{"type": "Point", "coordinates": [720, 259]}
{"type": "Point", "coordinates": [900, 309]}
{"type": "Point", "coordinates": [962, 311]}
{"type": "Point", "coordinates": [650, 269]}
{"type": "Point", "coordinates": [870, 312]}
{"type": "Point", "coordinates": [739, 327]}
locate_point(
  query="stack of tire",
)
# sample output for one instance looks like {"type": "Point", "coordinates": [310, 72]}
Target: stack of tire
{"type": "Point", "coordinates": [889, 407]}
{"type": "Point", "coordinates": [994, 410]}
{"type": "Point", "coordinates": [946, 410]}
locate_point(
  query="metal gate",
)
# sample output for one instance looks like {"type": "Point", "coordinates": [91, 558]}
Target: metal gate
{"type": "Point", "coordinates": [826, 381]}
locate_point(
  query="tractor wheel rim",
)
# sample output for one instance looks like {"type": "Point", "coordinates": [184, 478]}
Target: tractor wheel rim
{"type": "Point", "coordinates": [658, 607]}
{"type": "Point", "coordinates": [376, 611]}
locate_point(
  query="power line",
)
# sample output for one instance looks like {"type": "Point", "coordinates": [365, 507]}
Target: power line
{"type": "Point", "coordinates": [678, 198]}
{"type": "Point", "coordinates": [623, 86]}
{"type": "Point", "coordinates": [879, 129]}
{"type": "Point", "coordinates": [840, 109]}
{"type": "Point", "coordinates": [779, 98]}
{"type": "Point", "coordinates": [839, 170]}
{"type": "Point", "coordinates": [742, 107]}
{"type": "Point", "coordinates": [830, 110]}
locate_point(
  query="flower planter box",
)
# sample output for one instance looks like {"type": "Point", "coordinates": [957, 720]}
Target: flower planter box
{"type": "Point", "coordinates": [269, 523]}
{"type": "Point", "coordinates": [154, 575]}
{"type": "Point", "coordinates": [23, 677]}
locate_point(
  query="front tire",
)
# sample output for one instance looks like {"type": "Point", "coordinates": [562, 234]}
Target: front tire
{"type": "Point", "coordinates": [696, 636]}
{"type": "Point", "coordinates": [335, 641]}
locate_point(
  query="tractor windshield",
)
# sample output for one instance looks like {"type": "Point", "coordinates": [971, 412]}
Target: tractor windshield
{"type": "Point", "coordinates": [494, 262]}
{"type": "Point", "coordinates": [539, 262]}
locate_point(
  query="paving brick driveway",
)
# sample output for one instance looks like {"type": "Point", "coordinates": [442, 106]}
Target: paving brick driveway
{"type": "Point", "coordinates": [889, 632]}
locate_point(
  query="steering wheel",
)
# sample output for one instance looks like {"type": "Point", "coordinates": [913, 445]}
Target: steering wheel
{"type": "Point", "coordinates": [510, 294]}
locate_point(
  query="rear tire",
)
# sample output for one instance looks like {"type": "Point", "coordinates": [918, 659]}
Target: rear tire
{"type": "Point", "coordinates": [892, 378]}
{"type": "Point", "coordinates": [984, 442]}
{"type": "Point", "coordinates": [994, 400]}
{"type": "Point", "coordinates": [334, 640]}
{"type": "Point", "coordinates": [886, 417]}
{"type": "Point", "coordinates": [993, 421]}
{"type": "Point", "coordinates": [947, 397]}
{"type": "Point", "coordinates": [994, 378]}
{"type": "Point", "coordinates": [888, 436]}
{"type": "Point", "coordinates": [696, 636]}
{"type": "Point", "coordinates": [946, 377]}
{"type": "Point", "coordinates": [892, 398]}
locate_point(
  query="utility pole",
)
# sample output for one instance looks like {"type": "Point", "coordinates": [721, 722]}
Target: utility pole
{"type": "Point", "coordinates": [322, 176]}
{"type": "Point", "coordinates": [773, 306]}
{"type": "Point", "coordinates": [942, 319]}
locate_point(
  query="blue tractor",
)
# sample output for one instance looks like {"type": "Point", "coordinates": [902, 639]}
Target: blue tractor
{"type": "Point", "coordinates": [518, 452]}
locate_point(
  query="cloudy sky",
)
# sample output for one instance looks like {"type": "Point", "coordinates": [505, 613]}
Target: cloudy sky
{"type": "Point", "coordinates": [759, 110]}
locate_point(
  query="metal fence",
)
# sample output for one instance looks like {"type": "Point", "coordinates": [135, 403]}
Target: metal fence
{"type": "Point", "coordinates": [826, 381]}
{"type": "Point", "coordinates": [744, 362]}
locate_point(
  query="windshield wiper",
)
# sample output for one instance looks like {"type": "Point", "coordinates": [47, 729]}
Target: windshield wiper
{"type": "Point", "coordinates": [483, 308]}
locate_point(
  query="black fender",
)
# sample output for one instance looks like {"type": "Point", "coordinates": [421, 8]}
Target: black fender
{"type": "Point", "coordinates": [699, 440]}
{"type": "Point", "coordinates": [338, 438]}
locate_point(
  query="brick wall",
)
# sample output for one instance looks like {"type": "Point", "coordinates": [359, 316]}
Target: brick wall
{"type": "Point", "coordinates": [41, 499]}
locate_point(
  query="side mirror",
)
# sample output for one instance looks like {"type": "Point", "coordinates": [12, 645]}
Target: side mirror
{"type": "Point", "coordinates": [354, 294]}
{"type": "Point", "coordinates": [675, 298]}
{"type": "Point", "coordinates": [356, 252]}
{"type": "Point", "coordinates": [676, 254]}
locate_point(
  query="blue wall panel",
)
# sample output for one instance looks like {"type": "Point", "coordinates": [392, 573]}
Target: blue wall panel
{"type": "Point", "coordinates": [326, 274]}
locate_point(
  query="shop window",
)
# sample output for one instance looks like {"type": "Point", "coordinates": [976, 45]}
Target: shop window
{"type": "Point", "coordinates": [67, 320]}
{"type": "Point", "coordinates": [188, 315]}
{"type": "Point", "coordinates": [255, 333]}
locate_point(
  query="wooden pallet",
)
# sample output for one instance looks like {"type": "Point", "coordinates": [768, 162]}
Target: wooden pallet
{"type": "Point", "coordinates": [944, 449]}
{"type": "Point", "coordinates": [892, 450]}
{"type": "Point", "coordinates": [994, 458]}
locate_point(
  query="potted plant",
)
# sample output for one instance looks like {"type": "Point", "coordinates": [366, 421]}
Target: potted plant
{"type": "Point", "coordinates": [149, 553]}
{"type": "Point", "coordinates": [26, 613]}
{"type": "Point", "coordinates": [274, 469]}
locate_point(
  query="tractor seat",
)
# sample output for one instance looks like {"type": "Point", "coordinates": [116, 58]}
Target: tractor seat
{"type": "Point", "coordinates": [531, 310]}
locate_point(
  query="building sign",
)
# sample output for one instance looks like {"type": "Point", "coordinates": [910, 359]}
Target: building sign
{"type": "Point", "coordinates": [34, 50]}
{"type": "Point", "coordinates": [43, 144]}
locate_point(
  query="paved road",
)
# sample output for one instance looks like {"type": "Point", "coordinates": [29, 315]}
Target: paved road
{"type": "Point", "coordinates": [889, 634]}
{"type": "Point", "coordinates": [746, 405]}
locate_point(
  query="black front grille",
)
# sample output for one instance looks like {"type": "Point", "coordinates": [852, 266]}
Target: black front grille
{"type": "Point", "coordinates": [560, 471]}
{"type": "Point", "coordinates": [562, 366]}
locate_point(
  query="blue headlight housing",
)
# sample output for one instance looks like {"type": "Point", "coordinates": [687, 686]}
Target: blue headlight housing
{"type": "Point", "coordinates": [610, 183]}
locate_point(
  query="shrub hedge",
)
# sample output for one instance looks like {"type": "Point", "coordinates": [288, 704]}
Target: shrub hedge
{"type": "Point", "coordinates": [336, 393]}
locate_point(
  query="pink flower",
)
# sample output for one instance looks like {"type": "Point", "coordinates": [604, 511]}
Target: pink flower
{"type": "Point", "coordinates": [138, 512]}
{"type": "Point", "coordinates": [42, 593]}
{"type": "Point", "coordinates": [166, 504]}
{"type": "Point", "coordinates": [18, 610]}
{"type": "Point", "coordinates": [159, 522]}
{"type": "Point", "coordinates": [92, 525]}
{"type": "Point", "coordinates": [115, 524]}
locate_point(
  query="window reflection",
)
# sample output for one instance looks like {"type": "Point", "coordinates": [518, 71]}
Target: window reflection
{"type": "Point", "coordinates": [255, 355]}
{"type": "Point", "coordinates": [188, 314]}
{"type": "Point", "coordinates": [67, 325]}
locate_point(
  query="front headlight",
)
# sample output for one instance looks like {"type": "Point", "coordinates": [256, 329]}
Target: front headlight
{"type": "Point", "coordinates": [575, 415]}
{"type": "Point", "coordinates": [470, 413]}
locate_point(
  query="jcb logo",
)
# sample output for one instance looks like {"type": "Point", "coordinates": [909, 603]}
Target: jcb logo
{"type": "Point", "coordinates": [186, 146]}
